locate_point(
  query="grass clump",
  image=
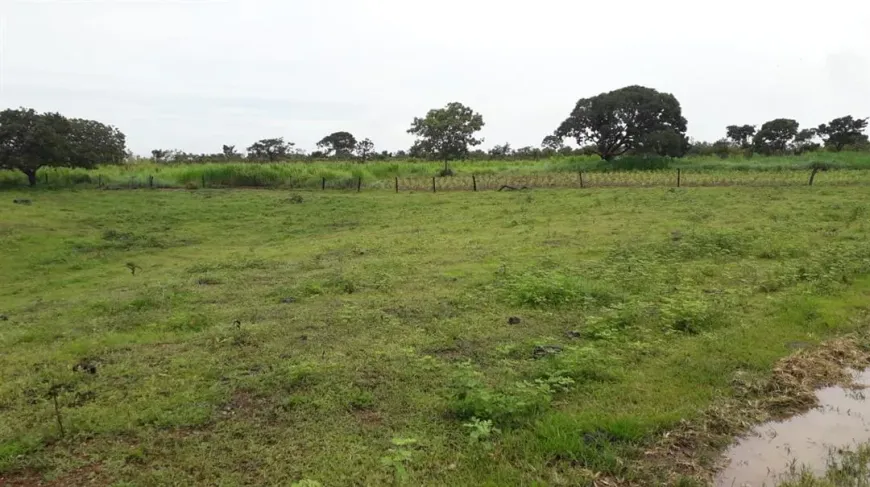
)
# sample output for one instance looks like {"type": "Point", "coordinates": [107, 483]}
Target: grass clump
{"type": "Point", "coordinates": [543, 289]}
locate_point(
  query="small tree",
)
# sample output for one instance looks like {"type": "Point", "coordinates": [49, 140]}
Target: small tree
{"type": "Point", "coordinates": [446, 133]}
{"type": "Point", "coordinates": [528, 152]}
{"type": "Point", "coordinates": [229, 152]}
{"type": "Point", "coordinates": [364, 149]}
{"type": "Point", "coordinates": [624, 119]}
{"type": "Point", "coordinates": [270, 149]}
{"type": "Point", "coordinates": [722, 148]}
{"type": "Point", "coordinates": [741, 134]}
{"type": "Point", "coordinates": [159, 155]}
{"type": "Point", "coordinates": [31, 140]}
{"type": "Point", "coordinates": [501, 151]}
{"type": "Point", "coordinates": [775, 136]}
{"type": "Point", "coordinates": [842, 132]}
{"type": "Point", "coordinates": [339, 144]}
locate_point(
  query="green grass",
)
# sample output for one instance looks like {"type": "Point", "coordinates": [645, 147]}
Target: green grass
{"type": "Point", "coordinates": [558, 171]}
{"type": "Point", "coordinates": [373, 343]}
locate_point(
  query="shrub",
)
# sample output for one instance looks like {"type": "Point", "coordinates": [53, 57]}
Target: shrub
{"type": "Point", "coordinates": [543, 289]}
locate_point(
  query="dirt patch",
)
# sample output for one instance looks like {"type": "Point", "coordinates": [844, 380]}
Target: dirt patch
{"type": "Point", "coordinates": [242, 402]}
{"type": "Point", "coordinates": [459, 350]}
{"type": "Point", "coordinates": [368, 418]}
{"type": "Point", "coordinates": [88, 475]}
{"type": "Point", "coordinates": [693, 448]}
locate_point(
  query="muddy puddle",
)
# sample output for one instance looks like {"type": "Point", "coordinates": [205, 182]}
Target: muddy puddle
{"type": "Point", "coordinates": [773, 450]}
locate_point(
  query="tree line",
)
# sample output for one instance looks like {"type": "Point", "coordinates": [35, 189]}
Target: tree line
{"type": "Point", "coordinates": [633, 120]}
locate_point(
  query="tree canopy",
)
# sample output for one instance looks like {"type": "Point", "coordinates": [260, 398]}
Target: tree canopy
{"type": "Point", "coordinates": [741, 134]}
{"type": "Point", "coordinates": [270, 149]}
{"type": "Point", "coordinates": [446, 133]}
{"type": "Point", "coordinates": [553, 143]}
{"type": "Point", "coordinates": [341, 144]}
{"type": "Point", "coordinates": [776, 136]}
{"type": "Point", "coordinates": [30, 140]}
{"type": "Point", "coordinates": [229, 152]}
{"type": "Point", "coordinates": [626, 119]}
{"type": "Point", "coordinates": [364, 149]}
{"type": "Point", "coordinates": [842, 132]}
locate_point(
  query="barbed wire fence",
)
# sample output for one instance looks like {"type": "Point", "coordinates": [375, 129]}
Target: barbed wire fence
{"type": "Point", "coordinates": [678, 178]}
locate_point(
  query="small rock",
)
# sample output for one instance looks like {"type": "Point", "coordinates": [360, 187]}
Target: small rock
{"type": "Point", "coordinates": [574, 335]}
{"type": "Point", "coordinates": [289, 300]}
{"type": "Point", "coordinates": [513, 320]}
{"type": "Point", "coordinates": [22, 202]}
{"type": "Point", "coordinates": [303, 338]}
{"type": "Point", "coordinates": [542, 351]}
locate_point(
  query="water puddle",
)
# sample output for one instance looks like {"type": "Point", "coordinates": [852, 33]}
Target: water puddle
{"type": "Point", "coordinates": [842, 420]}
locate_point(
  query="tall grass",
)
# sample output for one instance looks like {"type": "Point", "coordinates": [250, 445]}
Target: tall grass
{"type": "Point", "coordinates": [346, 174]}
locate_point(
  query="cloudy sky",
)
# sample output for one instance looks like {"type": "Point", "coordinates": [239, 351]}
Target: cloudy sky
{"type": "Point", "coordinates": [196, 74]}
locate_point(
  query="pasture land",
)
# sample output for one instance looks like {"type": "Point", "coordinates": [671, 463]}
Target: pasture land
{"type": "Point", "coordinates": [554, 337]}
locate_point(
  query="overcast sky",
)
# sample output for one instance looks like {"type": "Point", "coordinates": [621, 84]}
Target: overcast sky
{"type": "Point", "coordinates": [196, 74]}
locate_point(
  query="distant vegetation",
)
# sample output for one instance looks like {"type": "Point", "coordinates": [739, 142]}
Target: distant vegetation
{"type": "Point", "coordinates": [634, 121]}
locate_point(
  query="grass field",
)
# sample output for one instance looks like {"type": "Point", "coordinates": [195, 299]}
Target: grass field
{"type": "Point", "coordinates": [332, 338]}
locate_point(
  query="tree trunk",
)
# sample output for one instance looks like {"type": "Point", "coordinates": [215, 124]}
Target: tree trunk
{"type": "Point", "coordinates": [31, 176]}
{"type": "Point", "coordinates": [445, 166]}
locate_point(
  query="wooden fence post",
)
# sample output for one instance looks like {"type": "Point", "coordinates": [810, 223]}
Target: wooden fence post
{"type": "Point", "coordinates": [474, 182]}
{"type": "Point", "coordinates": [151, 182]}
{"type": "Point", "coordinates": [99, 180]}
{"type": "Point", "coordinates": [581, 179]}
{"type": "Point", "coordinates": [203, 180]}
{"type": "Point", "coordinates": [359, 184]}
{"type": "Point", "coordinates": [323, 184]}
{"type": "Point", "coordinates": [46, 177]}
{"type": "Point", "coordinates": [433, 184]}
{"type": "Point", "coordinates": [397, 184]}
{"type": "Point", "coordinates": [679, 177]}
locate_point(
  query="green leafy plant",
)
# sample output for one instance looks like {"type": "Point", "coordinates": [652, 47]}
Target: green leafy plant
{"type": "Point", "coordinates": [481, 432]}
{"type": "Point", "coordinates": [398, 457]}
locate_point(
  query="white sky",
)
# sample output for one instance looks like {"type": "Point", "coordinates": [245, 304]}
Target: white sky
{"type": "Point", "coordinates": [195, 74]}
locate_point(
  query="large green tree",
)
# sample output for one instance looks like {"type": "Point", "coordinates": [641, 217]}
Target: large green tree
{"type": "Point", "coordinates": [340, 144]}
{"type": "Point", "coordinates": [30, 140]}
{"type": "Point", "coordinates": [270, 149]}
{"type": "Point", "coordinates": [776, 136]}
{"type": "Point", "coordinates": [741, 134]}
{"type": "Point", "coordinates": [446, 133]}
{"type": "Point", "coordinates": [842, 132]}
{"type": "Point", "coordinates": [626, 119]}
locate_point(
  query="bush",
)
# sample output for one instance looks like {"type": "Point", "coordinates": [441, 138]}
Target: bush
{"type": "Point", "coordinates": [543, 289]}
{"type": "Point", "coordinates": [473, 399]}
